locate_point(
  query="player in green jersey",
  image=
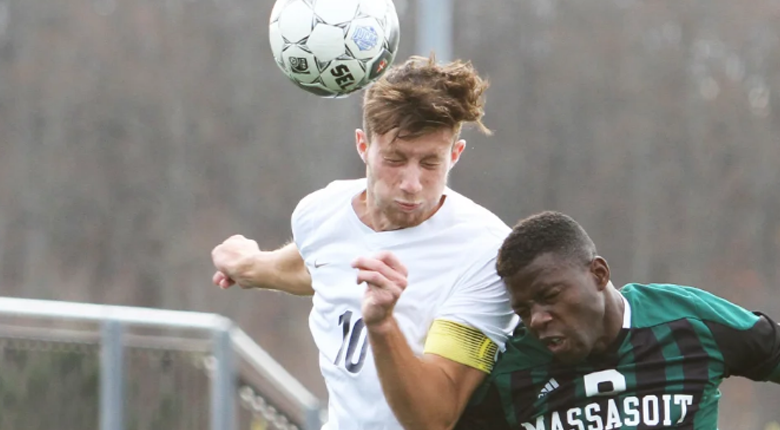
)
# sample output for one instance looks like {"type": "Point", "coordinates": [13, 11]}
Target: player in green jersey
{"type": "Point", "coordinates": [588, 356]}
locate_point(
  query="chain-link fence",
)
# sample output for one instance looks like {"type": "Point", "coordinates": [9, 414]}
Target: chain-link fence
{"type": "Point", "coordinates": [74, 366]}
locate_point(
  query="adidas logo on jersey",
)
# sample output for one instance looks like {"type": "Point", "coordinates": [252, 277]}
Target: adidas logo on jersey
{"type": "Point", "coordinates": [551, 385]}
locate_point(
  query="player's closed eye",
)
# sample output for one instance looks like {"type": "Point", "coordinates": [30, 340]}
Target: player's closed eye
{"type": "Point", "coordinates": [551, 295]}
{"type": "Point", "coordinates": [393, 161]}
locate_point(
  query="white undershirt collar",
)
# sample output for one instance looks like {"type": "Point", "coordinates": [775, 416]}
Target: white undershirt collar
{"type": "Point", "coordinates": [626, 312]}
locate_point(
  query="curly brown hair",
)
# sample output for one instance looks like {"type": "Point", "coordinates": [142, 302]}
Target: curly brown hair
{"type": "Point", "coordinates": [420, 96]}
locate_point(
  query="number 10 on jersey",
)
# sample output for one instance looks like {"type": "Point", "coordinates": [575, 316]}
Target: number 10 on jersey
{"type": "Point", "coordinates": [351, 336]}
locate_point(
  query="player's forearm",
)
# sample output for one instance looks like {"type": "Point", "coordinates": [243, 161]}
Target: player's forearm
{"type": "Point", "coordinates": [420, 394]}
{"type": "Point", "coordinates": [281, 270]}
{"type": "Point", "coordinates": [292, 276]}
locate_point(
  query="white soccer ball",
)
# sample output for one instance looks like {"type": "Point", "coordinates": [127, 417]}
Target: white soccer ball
{"type": "Point", "coordinates": [334, 47]}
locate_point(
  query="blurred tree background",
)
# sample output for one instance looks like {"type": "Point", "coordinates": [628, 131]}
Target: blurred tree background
{"type": "Point", "coordinates": [137, 134]}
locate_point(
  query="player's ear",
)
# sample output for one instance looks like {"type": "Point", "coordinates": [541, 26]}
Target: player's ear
{"type": "Point", "coordinates": [600, 270]}
{"type": "Point", "coordinates": [361, 143]}
{"type": "Point", "coordinates": [457, 150]}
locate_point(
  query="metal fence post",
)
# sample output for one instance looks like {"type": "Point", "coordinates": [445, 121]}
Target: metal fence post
{"type": "Point", "coordinates": [434, 28]}
{"type": "Point", "coordinates": [313, 418]}
{"type": "Point", "coordinates": [111, 376]}
{"type": "Point", "coordinates": [223, 383]}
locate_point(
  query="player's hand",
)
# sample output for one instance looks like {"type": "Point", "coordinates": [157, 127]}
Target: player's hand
{"type": "Point", "coordinates": [386, 279]}
{"type": "Point", "coordinates": [233, 260]}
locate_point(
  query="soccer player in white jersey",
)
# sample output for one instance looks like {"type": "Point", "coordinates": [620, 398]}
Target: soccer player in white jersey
{"type": "Point", "coordinates": [408, 311]}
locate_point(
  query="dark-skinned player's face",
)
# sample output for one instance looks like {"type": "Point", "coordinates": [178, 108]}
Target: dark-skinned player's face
{"type": "Point", "coordinates": [562, 303]}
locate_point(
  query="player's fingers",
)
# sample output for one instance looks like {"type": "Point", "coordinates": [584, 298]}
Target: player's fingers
{"type": "Point", "coordinates": [379, 280]}
{"type": "Point", "coordinates": [393, 262]}
{"type": "Point", "coordinates": [217, 278]}
{"type": "Point", "coordinates": [222, 281]}
{"type": "Point", "coordinates": [372, 277]}
{"type": "Point", "coordinates": [375, 265]}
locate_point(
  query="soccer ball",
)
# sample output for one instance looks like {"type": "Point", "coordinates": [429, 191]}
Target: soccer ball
{"type": "Point", "coordinates": [332, 48]}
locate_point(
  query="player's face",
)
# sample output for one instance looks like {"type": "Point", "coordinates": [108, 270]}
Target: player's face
{"type": "Point", "coordinates": [561, 303]}
{"type": "Point", "coordinates": [406, 177]}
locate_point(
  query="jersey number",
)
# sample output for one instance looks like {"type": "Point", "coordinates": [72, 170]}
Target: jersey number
{"type": "Point", "coordinates": [604, 383]}
{"type": "Point", "coordinates": [351, 335]}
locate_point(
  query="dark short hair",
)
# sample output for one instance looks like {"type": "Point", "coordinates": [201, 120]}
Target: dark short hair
{"type": "Point", "coordinates": [545, 232]}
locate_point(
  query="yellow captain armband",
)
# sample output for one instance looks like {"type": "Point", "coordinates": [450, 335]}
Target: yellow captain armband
{"type": "Point", "coordinates": [461, 344]}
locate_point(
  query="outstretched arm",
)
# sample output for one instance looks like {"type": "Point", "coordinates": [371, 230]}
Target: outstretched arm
{"type": "Point", "coordinates": [239, 260]}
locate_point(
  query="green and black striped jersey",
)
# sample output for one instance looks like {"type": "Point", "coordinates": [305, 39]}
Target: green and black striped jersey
{"type": "Point", "coordinates": [676, 347]}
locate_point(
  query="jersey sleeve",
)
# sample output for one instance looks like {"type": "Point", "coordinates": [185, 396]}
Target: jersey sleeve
{"type": "Point", "coordinates": [310, 211]}
{"type": "Point", "coordinates": [480, 300]}
{"type": "Point", "coordinates": [485, 411]}
{"type": "Point", "coordinates": [318, 206]}
{"type": "Point", "coordinates": [754, 352]}
{"type": "Point", "coordinates": [749, 341]}
{"type": "Point", "coordinates": [301, 222]}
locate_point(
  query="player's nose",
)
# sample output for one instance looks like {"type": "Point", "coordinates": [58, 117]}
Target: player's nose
{"type": "Point", "coordinates": [539, 318]}
{"type": "Point", "coordinates": [411, 181]}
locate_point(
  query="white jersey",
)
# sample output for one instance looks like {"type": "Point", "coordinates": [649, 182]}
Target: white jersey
{"type": "Point", "coordinates": [451, 275]}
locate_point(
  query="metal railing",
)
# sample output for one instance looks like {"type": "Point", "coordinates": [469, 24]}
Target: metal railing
{"type": "Point", "coordinates": [240, 374]}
